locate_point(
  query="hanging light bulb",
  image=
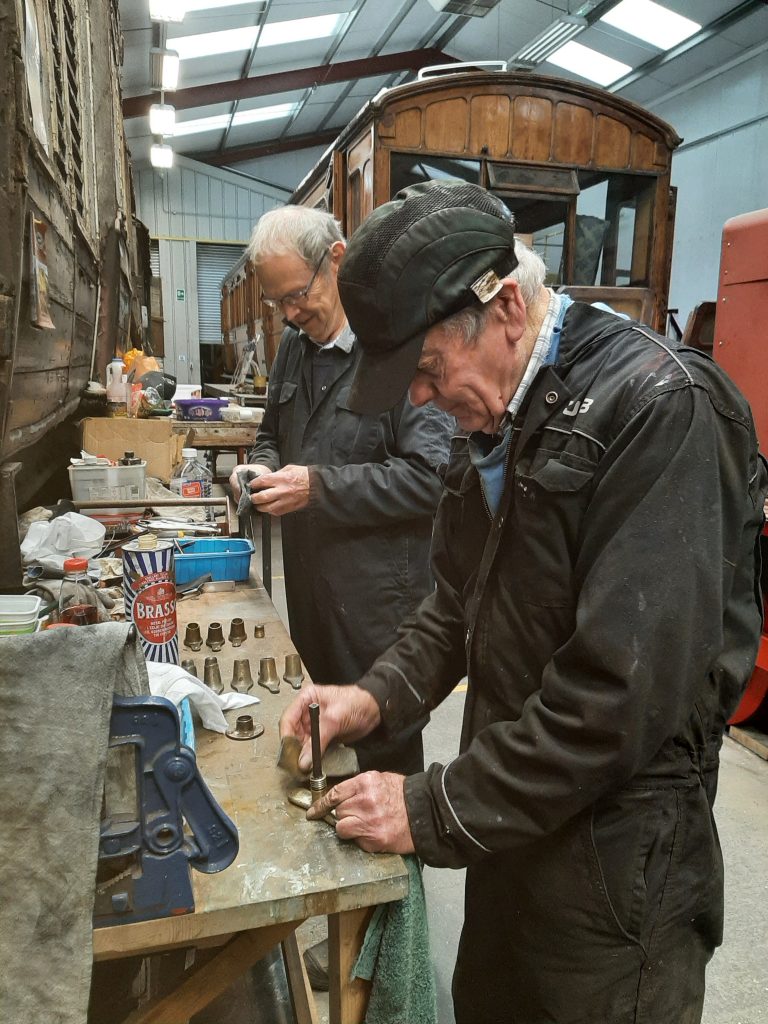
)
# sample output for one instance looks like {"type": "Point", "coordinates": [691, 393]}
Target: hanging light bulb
{"type": "Point", "coordinates": [162, 119]}
{"type": "Point", "coordinates": [161, 156]}
{"type": "Point", "coordinates": [167, 10]}
{"type": "Point", "coordinates": [164, 69]}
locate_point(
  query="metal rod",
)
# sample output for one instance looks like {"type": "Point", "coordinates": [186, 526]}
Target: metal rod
{"type": "Point", "coordinates": [314, 728]}
{"type": "Point", "coordinates": [266, 551]}
{"type": "Point", "coordinates": [318, 784]}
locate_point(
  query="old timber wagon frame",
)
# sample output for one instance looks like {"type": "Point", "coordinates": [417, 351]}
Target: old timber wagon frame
{"type": "Point", "coordinates": [586, 174]}
{"type": "Point", "coordinates": [73, 259]}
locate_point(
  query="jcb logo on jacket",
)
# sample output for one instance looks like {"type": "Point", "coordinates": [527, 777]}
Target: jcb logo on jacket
{"type": "Point", "coordinates": [575, 407]}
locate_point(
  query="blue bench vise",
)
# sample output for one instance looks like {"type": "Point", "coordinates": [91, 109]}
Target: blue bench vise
{"type": "Point", "coordinates": [145, 851]}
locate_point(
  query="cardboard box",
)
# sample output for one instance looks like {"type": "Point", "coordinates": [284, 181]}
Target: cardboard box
{"type": "Point", "coordinates": [153, 440]}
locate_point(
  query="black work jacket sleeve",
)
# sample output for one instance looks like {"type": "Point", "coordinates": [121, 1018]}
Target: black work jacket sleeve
{"type": "Point", "coordinates": [403, 486]}
{"type": "Point", "coordinates": [666, 538]}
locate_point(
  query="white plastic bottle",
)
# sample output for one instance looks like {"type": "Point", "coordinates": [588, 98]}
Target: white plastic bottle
{"type": "Point", "coordinates": [116, 388]}
{"type": "Point", "coordinates": [191, 479]}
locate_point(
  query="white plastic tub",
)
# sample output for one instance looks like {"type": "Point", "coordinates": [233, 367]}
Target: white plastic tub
{"type": "Point", "coordinates": [18, 613]}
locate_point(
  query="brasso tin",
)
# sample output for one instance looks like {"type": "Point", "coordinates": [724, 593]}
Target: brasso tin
{"type": "Point", "coordinates": [150, 596]}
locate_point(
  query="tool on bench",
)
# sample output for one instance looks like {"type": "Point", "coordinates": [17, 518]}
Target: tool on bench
{"type": "Point", "coordinates": [145, 851]}
{"type": "Point", "coordinates": [318, 783]}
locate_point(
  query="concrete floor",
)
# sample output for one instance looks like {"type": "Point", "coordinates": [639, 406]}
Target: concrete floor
{"type": "Point", "coordinates": [737, 984]}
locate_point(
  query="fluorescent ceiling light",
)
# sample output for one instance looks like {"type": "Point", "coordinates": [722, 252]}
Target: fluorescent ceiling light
{"type": "Point", "coordinates": [231, 40]}
{"type": "Point", "coordinates": [651, 22]}
{"type": "Point", "coordinates": [166, 10]}
{"type": "Point", "coordinates": [169, 77]}
{"type": "Point", "coordinates": [164, 69]}
{"type": "Point", "coordinates": [162, 119]}
{"type": "Point", "coordinates": [220, 121]}
{"type": "Point", "coordinates": [552, 38]}
{"type": "Point", "coordinates": [588, 63]}
{"type": "Point", "coordinates": [161, 156]}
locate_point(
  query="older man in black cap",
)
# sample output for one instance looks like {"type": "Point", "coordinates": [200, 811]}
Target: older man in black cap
{"type": "Point", "coordinates": [595, 553]}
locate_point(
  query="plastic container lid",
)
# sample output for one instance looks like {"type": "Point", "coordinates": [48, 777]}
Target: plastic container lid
{"type": "Point", "coordinates": [189, 453]}
{"type": "Point", "coordinates": [75, 564]}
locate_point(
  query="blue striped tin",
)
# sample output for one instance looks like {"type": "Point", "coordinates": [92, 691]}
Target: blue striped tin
{"type": "Point", "coordinates": [149, 590]}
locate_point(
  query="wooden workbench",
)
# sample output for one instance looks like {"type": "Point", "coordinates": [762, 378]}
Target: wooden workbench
{"type": "Point", "coordinates": [227, 391]}
{"type": "Point", "coordinates": [288, 869]}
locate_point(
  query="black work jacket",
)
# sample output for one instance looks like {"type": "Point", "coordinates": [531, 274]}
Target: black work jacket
{"type": "Point", "coordinates": [608, 616]}
{"type": "Point", "coordinates": [357, 558]}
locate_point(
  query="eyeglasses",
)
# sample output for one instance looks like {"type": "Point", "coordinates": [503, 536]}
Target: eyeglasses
{"type": "Point", "coordinates": [297, 298]}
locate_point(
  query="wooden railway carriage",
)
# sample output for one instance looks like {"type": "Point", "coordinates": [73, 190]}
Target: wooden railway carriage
{"type": "Point", "coordinates": [586, 174]}
{"type": "Point", "coordinates": [74, 262]}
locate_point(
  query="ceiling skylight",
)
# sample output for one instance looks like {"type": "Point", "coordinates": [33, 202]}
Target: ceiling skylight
{"type": "Point", "coordinates": [210, 5]}
{"type": "Point", "coordinates": [651, 22]}
{"type": "Point", "coordinates": [220, 121]}
{"type": "Point", "coordinates": [588, 63]}
{"type": "Point", "coordinates": [300, 29]}
{"type": "Point", "coordinates": [208, 44]}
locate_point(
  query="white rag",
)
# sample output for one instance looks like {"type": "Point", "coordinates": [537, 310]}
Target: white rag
{"type": "Point", "coordinates": [175, 683]}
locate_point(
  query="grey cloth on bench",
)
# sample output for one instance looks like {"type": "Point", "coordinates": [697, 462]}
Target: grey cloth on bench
{"type": "Point", "coordinates": [56, 691]}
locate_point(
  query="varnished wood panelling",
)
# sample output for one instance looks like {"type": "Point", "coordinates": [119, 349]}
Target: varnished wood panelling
{"type": "Point", "coordinates": [573, 134]}
{"type": "Point", "coordinates": [531, 128]}
{"type": "Point", "coordinates": [407, 129]}
{"type": "Point", "coordinates": [490, 118]}
{"type": "Point", "coordinates": [661, 155]}
{"type": "Point", "coordinates": [446, 126]}
{"type": "Point", "coordinates": [368, 187]}
{"type": "Point", "coordinates": [360, 152]}
{"type": "Point", "coordinates": [612, 142]}
{"type": "Point", "coordinates": [643, 152]}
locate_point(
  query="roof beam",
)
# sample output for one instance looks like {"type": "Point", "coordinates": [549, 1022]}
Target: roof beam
{"type": "Point", "coordinates": [288, 81]}
{"type": "Point", "coordinates": [238, 154]}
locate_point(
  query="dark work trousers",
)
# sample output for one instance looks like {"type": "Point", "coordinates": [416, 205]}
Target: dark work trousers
{"type": "Point", "coordinates": [612, 920]}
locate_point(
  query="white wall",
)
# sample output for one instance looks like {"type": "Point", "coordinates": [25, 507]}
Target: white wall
{"type": "Point", "coordinates": [285, 170]}
{"type": "Point", "coordinates": [720, 170]}
{"type": "Point", "coordinates": [193, 203]}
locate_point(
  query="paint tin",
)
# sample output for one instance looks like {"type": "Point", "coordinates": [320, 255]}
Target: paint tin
{"type": "Point", "coordinates": [150, 596]}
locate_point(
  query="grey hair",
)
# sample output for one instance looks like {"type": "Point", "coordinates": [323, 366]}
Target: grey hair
{"type": "Point", "coordinates": [294, 229]}
{"type": "Point", "coordinates": [529, 273]}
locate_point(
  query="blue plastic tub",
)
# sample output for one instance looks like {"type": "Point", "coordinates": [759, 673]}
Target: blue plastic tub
{"type": "Point", "coordinates": [200, 408]}
{"type": "Point", "coordinates": [225, 558]}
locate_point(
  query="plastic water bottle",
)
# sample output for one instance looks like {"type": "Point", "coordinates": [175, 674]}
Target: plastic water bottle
{"type": "Point", "coordinates": [191, 479]}
{"type": "Point", "coordinates": [78, 603]}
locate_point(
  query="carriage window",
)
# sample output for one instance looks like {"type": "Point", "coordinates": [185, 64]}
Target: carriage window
{"type": "Point", "coordinates": [538, 179]}
{"type": "Point", "coordinates": [540, 221]}
{"type": "Point", "coordinates": [614, 226]}
{"type": "Point", "coordinates": [411, 168]}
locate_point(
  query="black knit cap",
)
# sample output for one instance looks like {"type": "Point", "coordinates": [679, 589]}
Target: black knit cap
{"type": "Point", "coordinates": [412, 263]}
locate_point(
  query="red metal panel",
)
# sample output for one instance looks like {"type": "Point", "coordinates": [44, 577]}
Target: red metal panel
{"type": "Point", "coordinates": [757, 687]}
{"type": "Point", "coordinates": [741, 336]}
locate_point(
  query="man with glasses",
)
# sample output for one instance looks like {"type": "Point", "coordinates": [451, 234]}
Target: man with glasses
{"type": "Point", "coordinates": [597, 565]}
{"type": "Point", "coordinates": [356, 494]}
